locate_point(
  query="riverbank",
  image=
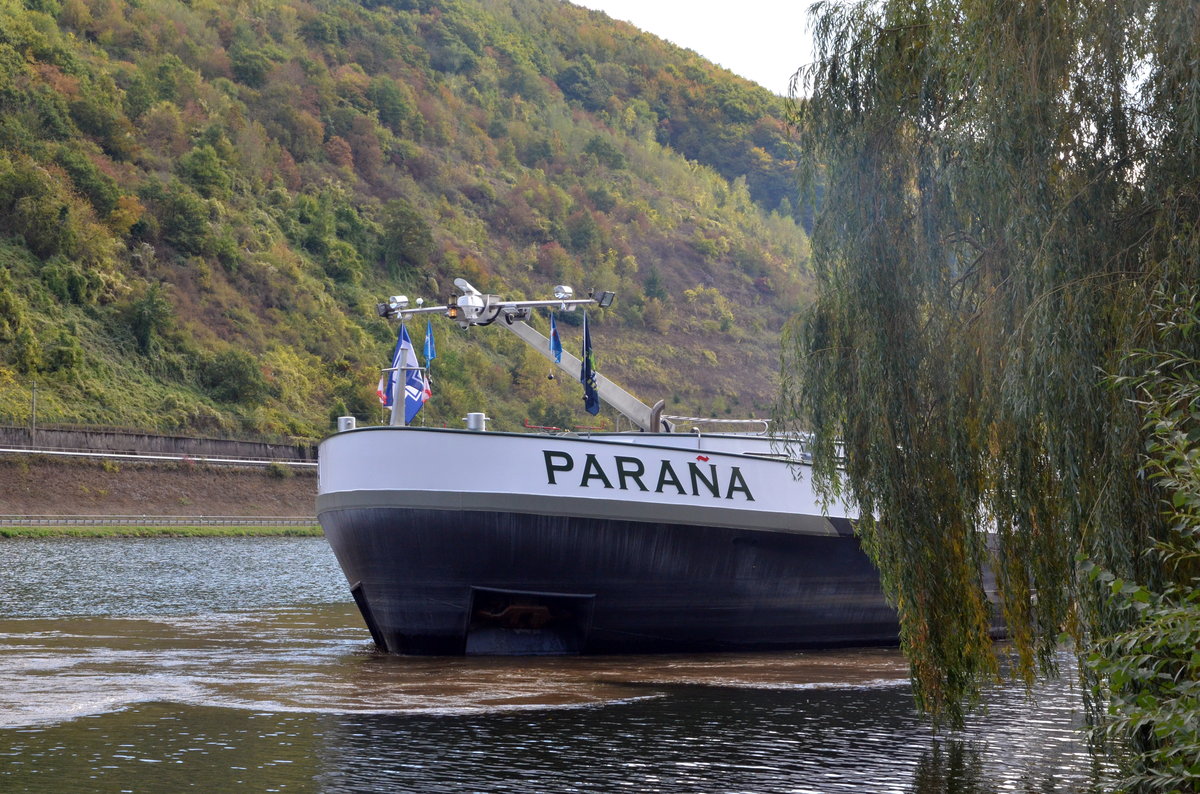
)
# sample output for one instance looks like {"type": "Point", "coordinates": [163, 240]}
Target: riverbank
{"type": "Point", "coordinates": [36, 485]}
{"type": "Point", "coordinates": [149, 531]}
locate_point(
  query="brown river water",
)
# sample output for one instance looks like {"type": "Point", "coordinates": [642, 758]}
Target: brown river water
{"type": "Point", "coordinates": [240, 664]}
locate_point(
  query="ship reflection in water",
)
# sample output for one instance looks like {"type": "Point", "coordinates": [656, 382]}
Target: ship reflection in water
{"type": "Point", "coordinates": [98, 695]}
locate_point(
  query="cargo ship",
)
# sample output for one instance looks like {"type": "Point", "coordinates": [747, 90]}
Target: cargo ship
{"type": "Point", "coordinates": [661, 539]}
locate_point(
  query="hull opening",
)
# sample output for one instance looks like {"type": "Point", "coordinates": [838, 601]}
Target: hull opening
{"type": "Point", "coordinates": [521, 623]}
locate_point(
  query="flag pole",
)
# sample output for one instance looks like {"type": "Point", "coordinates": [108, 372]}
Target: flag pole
{"type": "Point", "coordinates": [399, 417]}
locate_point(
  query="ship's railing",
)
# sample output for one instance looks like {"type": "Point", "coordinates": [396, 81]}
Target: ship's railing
{"type": "Point", "coordinates": [679, 421]}
{"type": "Point", "coordinates": [155, 521]}
{"type": "Point", "coordinates": [573, 429]}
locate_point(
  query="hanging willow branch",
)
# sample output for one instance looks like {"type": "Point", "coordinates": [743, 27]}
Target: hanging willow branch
{"type": "Point", "coordinates": [997, 208]}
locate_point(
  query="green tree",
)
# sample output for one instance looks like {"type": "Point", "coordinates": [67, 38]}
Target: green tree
{"type": "Point", "coordinates": [250, 65]}
{"type": "Point", "coordinates": [100, 189]}
{"type": "Point", "coordinates": [580, 82]}
{"type": "Point", "coordinates": [203, 169]}
{"type": "Point", "coordinates": [149, 315]}
{"type": "Point", "coordinates": [407, 240]}
{"type": "Point", "coordinates": [1006, 186]}
{"type": "Point", "coordinates": [605, 152]}
{"type": "Point", "coordinates": [391, 102]}
{"type": "Point", "coordinates": [100, 117]}
{"type": "Point", "coordinates": [33, 206]}
{"type": "Point", "coordinates": [185, 219]}
{"type": "Point", "coordinates": [653, 286]}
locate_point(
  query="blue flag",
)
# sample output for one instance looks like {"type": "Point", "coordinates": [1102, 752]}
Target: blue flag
{"type": "Point", "coordinates": [555, 341]}
{"type": "Point", "coordinates": [430, 352]}
{"type": "Point", "coordinates": [416, 389]}
{"type": "Point", "coordinates": [587, 373]}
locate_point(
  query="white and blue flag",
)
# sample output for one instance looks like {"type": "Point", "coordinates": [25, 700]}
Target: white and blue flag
{"type": "Point", "coordinates": [416, 388]}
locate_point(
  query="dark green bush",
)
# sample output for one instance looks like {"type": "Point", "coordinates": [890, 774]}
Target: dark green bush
{"type": "Point", "coordinates": [149, 315]}
{"type": "Point", "coordinates": [407, 239]}
{"type": "Point", "coordinates": [99, 188]}
{"type": "Point", "coordinates": [204, 170]}
{"type": "Point", "coordinates": [184, 219]}
{"type": "Point", "coordinates": [233, 376]}
{"type": "Point", "coordinates": [70, 281]}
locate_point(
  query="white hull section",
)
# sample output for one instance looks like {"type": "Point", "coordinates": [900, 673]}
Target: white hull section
{"type": "Point", "coordinates": [719, 481]}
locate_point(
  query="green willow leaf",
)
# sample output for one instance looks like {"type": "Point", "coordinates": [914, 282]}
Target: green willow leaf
{"type": "Point", "coordinates": [1005, 252]}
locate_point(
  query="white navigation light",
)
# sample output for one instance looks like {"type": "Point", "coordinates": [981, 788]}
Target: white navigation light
{"type": "Point", "coordinates": [420, 302]}
{"type": "Point", "coordinates": [397, 302]}
{"type": "Point", "coordinates": [563, 293]}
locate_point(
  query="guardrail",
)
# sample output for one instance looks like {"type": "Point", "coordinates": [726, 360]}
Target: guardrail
{"type": "Point", "coordinates": [222, 460]}
{"type": "Point", "coordinates": [110, 441]}
{"type": "Point", "coordinates": [15, 422]}
{"type": "Point", "coordinates": [156, 521]}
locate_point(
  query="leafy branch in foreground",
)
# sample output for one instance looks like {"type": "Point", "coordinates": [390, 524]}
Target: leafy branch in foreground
{"type": "Point", "coordinates": [1151, 672]}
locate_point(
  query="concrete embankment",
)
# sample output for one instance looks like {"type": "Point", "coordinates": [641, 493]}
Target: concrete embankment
{"type": "Point", "coordinates": [35, 485]}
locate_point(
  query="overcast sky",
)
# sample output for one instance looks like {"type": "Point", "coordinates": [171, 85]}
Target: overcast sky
{"type": "Point", "coordinates": [762, 40]}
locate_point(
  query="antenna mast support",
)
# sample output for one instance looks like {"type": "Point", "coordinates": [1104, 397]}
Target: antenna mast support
{"type": "Point", "coordinates": [473, 307]}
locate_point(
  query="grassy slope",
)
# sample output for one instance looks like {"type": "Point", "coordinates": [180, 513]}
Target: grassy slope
{"type": "Point", "coordinates": [200, 203]}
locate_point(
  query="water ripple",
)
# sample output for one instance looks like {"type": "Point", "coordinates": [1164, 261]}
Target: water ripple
{"type": "Point", "coordinates": [277, 688]}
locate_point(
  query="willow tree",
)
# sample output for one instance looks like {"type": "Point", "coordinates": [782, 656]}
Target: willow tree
{"type": "Point", "coordinates": [1006, 185]}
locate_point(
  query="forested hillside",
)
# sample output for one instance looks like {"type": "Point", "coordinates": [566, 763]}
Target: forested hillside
{"type": "Point", "coordinates": [201, 202]}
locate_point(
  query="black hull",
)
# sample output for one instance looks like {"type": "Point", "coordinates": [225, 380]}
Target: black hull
{"type": "Point", "coordinates": [451, 582]}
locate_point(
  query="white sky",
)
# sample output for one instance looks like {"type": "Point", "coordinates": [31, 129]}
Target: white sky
{"type": "Point", "coordinates": [762, 40]}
